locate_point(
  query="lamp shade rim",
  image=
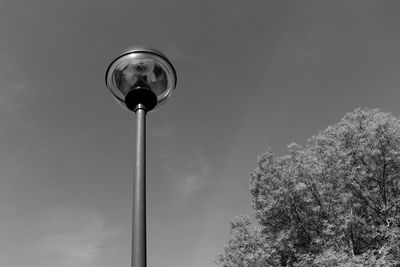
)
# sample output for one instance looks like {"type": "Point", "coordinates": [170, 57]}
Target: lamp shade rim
{"type": "Point", "coordinates": [146, 50]}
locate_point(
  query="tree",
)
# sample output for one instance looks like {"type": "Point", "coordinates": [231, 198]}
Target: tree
{"type": "Point", "coordinates": [335, 202]}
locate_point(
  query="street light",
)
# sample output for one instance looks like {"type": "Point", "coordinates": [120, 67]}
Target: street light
{"type": "Point", "coordinates": [140, 79]}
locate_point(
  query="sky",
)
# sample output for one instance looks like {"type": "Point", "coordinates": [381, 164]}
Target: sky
{"type": "Point", "coordinates": [252, 75]}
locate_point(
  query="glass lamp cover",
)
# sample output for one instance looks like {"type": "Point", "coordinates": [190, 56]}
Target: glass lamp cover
{"type": "Point", "coordinates": [140, 66]}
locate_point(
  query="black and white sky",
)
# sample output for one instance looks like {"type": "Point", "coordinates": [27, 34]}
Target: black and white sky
{"type": "Point", "coordinates": [251, 75]}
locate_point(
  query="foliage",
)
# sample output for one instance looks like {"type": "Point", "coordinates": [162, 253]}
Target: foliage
{"type": "Point", "coordinates": [335, 202]}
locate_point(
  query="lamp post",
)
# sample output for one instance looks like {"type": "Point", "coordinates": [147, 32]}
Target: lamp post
{"type": "Point", "coordinates": [140, 80]}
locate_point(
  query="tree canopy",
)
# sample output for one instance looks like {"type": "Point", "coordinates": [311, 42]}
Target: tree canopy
{"type": "Point", "coordinates": [334, 202]}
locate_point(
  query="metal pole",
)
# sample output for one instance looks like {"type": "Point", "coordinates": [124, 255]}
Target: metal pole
{"type": "Point", "coordinates": [139, 192]}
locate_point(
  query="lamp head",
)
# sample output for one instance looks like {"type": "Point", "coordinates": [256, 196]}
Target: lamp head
{"type": "Point", "coordinates": [141, 76]}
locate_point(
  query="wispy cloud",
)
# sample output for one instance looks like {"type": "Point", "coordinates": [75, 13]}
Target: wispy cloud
{"type": "Point", "coordinates": [191, 174]}
{"type": "Point", "coordinates": [10, 95]}
{"type": "Point", "coordinates": [75, 239]}
{"type": "Point", "coordinates": [172, 50]}
{"type": "Point", "coordinates": [189, 184]}
{"type": "Point", "coordinates": [162, 133]}
{"type": "Point", "coordinates": [19, 93]}
{"type": "Point", "coordinates": [15, 95]}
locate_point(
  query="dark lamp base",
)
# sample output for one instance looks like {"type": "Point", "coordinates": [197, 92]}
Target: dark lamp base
{"type": "Point", "coordinates": [142, 96]}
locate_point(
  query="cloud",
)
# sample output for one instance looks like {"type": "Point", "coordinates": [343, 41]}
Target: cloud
{"type": "Point", "coordinates": [191, 174]}
{"type": "Point", "coordinates": [172, 50]}
{"type": "Point", "coordinates": [74, 239]}
{"type": "Point", "coordinates": [9, 97]}
{"type": "Point", "coordinates": [189, 184]}
{"type": "Point", "coordinates": [16, 87]}
{"type": "Point", "coordinates": [162, 133]}
{"type": "Point", "coordinates": [15, 95]}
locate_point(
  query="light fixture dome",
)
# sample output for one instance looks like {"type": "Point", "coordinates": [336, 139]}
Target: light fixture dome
{"type": "Point", "coordinates": [141, 76]}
